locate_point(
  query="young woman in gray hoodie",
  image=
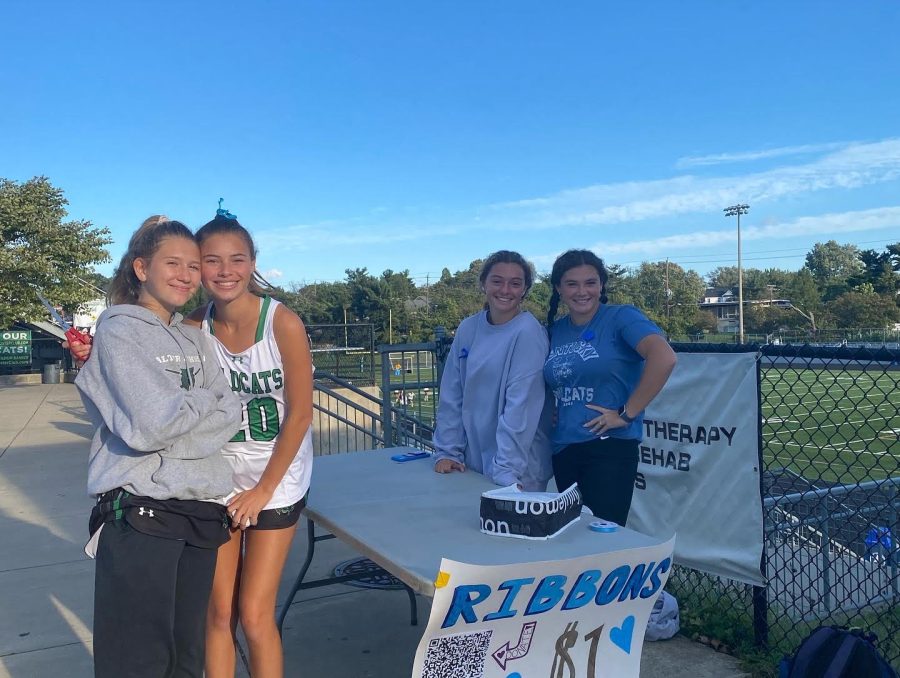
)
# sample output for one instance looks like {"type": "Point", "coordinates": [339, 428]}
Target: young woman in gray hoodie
{"type": "Point", "coordinates": [162, 409]}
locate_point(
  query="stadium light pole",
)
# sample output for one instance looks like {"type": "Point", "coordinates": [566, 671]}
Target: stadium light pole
{"type": "Point", "coordinates": [737, 211]}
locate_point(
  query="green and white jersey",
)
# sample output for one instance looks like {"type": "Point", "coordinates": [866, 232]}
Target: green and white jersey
{"type": "Point", "coordinates": [257, 377]}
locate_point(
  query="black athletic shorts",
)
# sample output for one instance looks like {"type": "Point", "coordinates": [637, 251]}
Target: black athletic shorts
{"type": "Point", "coordinates": [279, 518]}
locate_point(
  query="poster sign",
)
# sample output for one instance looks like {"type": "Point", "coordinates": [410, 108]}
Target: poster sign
{"type": "Point", "coordinates": [578, 618]}
{"type": "Point", "coordinates": [698, 471]}
{"type": "Point", "coordinates": [15, 347]}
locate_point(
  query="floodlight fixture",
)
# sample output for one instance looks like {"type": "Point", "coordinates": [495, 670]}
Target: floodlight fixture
{"type": "Point", "coordinates": [737, 211]}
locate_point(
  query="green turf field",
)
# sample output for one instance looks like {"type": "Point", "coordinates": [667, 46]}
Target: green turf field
{"type": "Point", "coordinates": [835, 425]}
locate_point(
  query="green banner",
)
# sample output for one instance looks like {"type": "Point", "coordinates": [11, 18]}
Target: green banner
{"type": "Point", "coordinates": [15, 347]}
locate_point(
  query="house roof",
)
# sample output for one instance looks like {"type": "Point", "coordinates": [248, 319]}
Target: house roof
{"type": "Point", "coordinates": [44, 327]}
{"type": "Point", "coordinates": [718, 291]}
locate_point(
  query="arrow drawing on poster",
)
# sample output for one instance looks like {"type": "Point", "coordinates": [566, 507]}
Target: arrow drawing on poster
{"type": "Point", "coordinates": [504, 653]}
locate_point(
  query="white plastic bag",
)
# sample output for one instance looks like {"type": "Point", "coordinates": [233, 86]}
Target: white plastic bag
{"type": "Point", "coordinates": [664, 621]}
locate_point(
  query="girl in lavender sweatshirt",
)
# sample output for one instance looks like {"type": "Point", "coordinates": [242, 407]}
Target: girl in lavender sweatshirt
{"type": "Point", "coordinates": [491, 416]}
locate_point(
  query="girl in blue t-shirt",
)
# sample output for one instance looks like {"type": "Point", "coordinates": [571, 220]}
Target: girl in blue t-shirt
{"type": "Point", "coordinates": [606, 364]}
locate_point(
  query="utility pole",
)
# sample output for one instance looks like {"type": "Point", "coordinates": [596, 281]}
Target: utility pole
{"type": "Point", "coordinates": [346, 340]}
{"type": "Point", "coordinates": [737, 211]}
{"type": "Point", "coordinates": [668, 292]}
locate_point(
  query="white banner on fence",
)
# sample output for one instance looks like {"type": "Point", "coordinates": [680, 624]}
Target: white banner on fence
{"type": "Point", "coordinates": [580, 617]}
{"type": "Point", "coordinates": [699, 472]}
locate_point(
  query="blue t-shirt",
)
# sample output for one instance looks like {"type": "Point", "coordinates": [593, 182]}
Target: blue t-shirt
{"type": "Point", "coordinates": [595, 363]}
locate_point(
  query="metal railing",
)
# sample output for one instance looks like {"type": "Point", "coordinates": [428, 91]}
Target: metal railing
{"type": "Point", "coordinates": [398, 409]}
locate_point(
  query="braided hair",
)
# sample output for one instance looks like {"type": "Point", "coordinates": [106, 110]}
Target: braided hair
{"type": "Point", "coordinates": [569, 260]}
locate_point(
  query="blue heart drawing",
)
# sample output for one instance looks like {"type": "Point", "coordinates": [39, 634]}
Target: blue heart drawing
{"type": "Point", "coordinates": [621, 635]}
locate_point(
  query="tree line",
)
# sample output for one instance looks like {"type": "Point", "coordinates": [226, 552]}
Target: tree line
{"type": "Point", "coordinates": [839, 286]}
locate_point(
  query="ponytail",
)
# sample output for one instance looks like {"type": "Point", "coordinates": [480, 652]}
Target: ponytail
{"type": "Point", "coordinates": [551, 313]}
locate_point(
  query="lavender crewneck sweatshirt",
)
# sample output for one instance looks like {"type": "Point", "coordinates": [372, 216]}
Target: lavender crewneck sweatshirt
{"type": "Point", "coordinates": [491, 413]}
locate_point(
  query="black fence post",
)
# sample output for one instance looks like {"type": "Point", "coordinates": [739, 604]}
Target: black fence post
{"type": "Point", "coordinates": [387, 423]}
{"type": "Point", "coordinates": [760, 593]}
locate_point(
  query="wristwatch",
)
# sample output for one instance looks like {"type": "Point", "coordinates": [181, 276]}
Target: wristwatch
{"type": "Point", "coordinates": [623, 415]}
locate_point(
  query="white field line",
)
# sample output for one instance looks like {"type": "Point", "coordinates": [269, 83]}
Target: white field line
{"type": "Point", "coordinates": [781, 385]}
{"type": "Point", "coordinates": [873, 419]}
{"type": "Point", "coordinates": [828, 465]}
{"type": "Point", "coordinates": [812, 398]}
{"type": "Point", "coordinates": [877, 423]}
{"type": "Point", "coordinates": [850, 408]}
{"type": "Point", "coordinates": [845, 447]}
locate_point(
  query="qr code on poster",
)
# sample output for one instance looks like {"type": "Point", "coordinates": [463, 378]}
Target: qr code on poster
{"type": "Point", "coordinates": [459, 656]}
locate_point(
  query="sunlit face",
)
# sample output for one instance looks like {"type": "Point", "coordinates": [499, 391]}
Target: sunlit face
{"type": "Point", "coordinates": [228, 266]}
{"type": "Point", "coordinates": [580, 288]}
{"type": "Point", "coordinates": [170, 277]}
{"type": "Point", "coordinates": [504, 288]}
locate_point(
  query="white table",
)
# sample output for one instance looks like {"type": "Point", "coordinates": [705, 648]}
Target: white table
{"type": "Point", "coordinates": [405, 518]}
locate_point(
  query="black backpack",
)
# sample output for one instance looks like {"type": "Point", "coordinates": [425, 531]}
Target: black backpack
{"type": "Point", "coordinates": [836, 652]}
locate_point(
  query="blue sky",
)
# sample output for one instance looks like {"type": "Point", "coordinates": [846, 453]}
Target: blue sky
{"type": "Point", "coordinates": [423, 135]}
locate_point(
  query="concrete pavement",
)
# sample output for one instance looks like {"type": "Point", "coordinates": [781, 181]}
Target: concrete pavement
{"type": "Point", "coordinates": [46, 582]}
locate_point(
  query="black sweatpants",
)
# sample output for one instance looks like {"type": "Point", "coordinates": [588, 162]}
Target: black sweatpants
{"type": "Point", "coordinates": [604, 470]}
{"type": "Point", "coordinates": [150, 601]}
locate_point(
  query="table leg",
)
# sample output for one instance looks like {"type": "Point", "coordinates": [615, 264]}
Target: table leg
{"type": "Point", "coordinates": [311, 547]}
{"type": "Point", "coordinates": [311, 540]}
{"type": "Point", "coordinates": [413, 609]}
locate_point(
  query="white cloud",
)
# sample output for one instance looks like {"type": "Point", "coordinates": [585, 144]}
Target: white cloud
{"type": "Point", "coordinates": [833, 224]}
{"type": "Point", "coordinates": [353, 232]}
{"type": "Point", "coordinates": [272, 274]}
{"type": "Point", "coordinates": [762, 154]}
{"type": "Point", "coordinates": [822, 225]}
{"type": "Point", "coordinates": [844, 167]}
{"type": "Point", "coordinates": [853, 166]}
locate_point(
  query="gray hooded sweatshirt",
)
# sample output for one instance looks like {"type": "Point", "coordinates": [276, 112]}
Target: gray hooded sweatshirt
{"type": "Point", "coordinates": [162, 408]}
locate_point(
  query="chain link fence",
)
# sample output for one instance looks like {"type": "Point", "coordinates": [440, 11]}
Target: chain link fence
{"type": "Point", "coordinates": [830, 447]}
{"type": "Point", "coordinates": [858, 337]}
{"type": "Point", "coordinates": [346, 351]}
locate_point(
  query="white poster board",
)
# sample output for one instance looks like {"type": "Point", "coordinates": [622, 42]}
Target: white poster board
{"type": "Point", "coordinates": [581, 617]}
{"type": "Point", "coordinates": [698, 470]}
